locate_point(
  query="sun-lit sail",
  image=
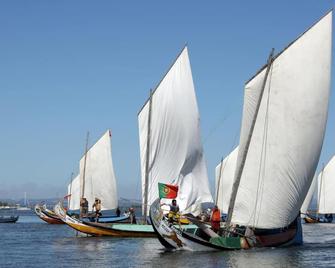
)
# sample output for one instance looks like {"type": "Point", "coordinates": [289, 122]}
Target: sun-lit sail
{"type": "Point", "coordinates": [224, 176]}
{"type": "Point", "coordinates": [326, 187]}
{"type": "Point", "coordinates": [288, 133]}
{"type": "Point", "coordinates": [312, 192]}
{"type": "Point", "coordinates": [73, 191]}
{"type": "Point", "coordinates": [175, 152]}
{"type": "Point", "coordinates": [99, 178]}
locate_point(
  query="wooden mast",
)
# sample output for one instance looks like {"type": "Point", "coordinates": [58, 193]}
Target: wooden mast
{"type": "Point", "coordinates": [218, 185]}
{"type": "Point", "coordinates": [319, 195]}
{"type": "Point", "coordinates": [83, 177]}
{"type": "Point", "coordinates": [245, 152]}
{"type": "Point", "coordinates": [146, 181]}
{"type": "Point", "coordinates": [70, 196]}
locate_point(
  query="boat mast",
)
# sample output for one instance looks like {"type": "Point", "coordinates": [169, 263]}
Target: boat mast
{"type": "Point", "coordinates": [70, 196]}
{"type": "Point", "coordinates": [146, 181]}
{"type": "Point", "coordinates": [319, 195]}
{"type": "Point", "coordinates": [218, 185]}
{"type": "Point", "coordinates": [83, 178]}
{"type": "Point", "coordinates": [245, 152]}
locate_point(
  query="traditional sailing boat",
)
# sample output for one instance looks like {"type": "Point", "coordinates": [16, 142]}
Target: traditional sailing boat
{"type": "Point", "coordinates": [47, 215]}
{"type": "Point", "coordinates": [224, 178]}
{"type": "Point", "coordinates": [325, 192]}
{"type": "Point", "coordinates": [285, 108]}
{"type": "Point", "coordinates": [96, 180]}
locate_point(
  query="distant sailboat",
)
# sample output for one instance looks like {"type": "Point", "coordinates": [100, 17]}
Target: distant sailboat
{"type": "Point", "coordinates": [285, 108]}
{"type": "Point", "coordinates": [224, 178]}
{"type": "Point", "coordinates": [325, 183]}
{"type": "Point", "coordinates": [25, 203]}
{"type": "Point", "coordinates": [96, 179]}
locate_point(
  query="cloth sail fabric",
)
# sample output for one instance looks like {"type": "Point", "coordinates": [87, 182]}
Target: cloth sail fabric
{"type": "Point", "coordinates": [224, 183]}
{"type": "Point", "coordinates": [100, 181]}
{"type": "Point", "coordinates": [73, 191]}
{"type": "Point", "coordinates": [175, 153]}
{"type": "Point", "coordinates": [279, 167]}
{"type": "Point", "coordinates": [326, 187]}
{"type": "Point", "coordinates": [310, 194]}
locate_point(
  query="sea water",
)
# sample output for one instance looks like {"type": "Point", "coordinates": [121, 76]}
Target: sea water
{"type": "Point", "coordinates": [33, 243]}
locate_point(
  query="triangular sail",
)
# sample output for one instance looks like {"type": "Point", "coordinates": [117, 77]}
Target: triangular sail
{"type": "Point", "coordinates": [100, 180]}
{"type": "Point", "coordinates": [224, 177]}
{"type": "Point", "coordinates": [73, 191]}
{"type": "Point", "coordinates": [175, 153]}
{"type": "Point", "coordinates": [326, 187]}
{"type": "Point", "coordinates": [289, 131]}
{"type": "Point", "coordinates": [311, 193]}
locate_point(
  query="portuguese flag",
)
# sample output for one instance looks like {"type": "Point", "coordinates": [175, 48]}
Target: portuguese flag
{"type": "Point", "coordinates": [167, 190]}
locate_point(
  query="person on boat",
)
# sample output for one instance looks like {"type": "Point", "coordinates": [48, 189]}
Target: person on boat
{"type": "Point", "coordinates": [97, 207]}
{"type": "Point", "coordinates": [83, 207]}
{"type": "Point", "coordinates": [174, 211]}
{"type": "Point", "coordinates": [132, 216]}
{"type": "Point", "coordinates": [118, 212]}
{"type": "Point", "coordinates": [215, 219]}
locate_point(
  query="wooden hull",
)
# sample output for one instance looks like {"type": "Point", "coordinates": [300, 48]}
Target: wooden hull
{"type": "Point", "coordinates": [103, 229]}
{"type": "Point", "coordinates": [308, 219]}
{"type": "Point", "coordinates": [11, 219]}
{"type": "Point", "coordinates": [204, 239]}
{"type": "Point", "coordinates": [46, 216]}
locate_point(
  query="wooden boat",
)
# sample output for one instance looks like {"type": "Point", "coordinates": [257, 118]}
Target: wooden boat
{"type": "Point", "coordinates": [103, 229]}
{"type": "Point", "coordinates": [285, 108]}
{"type": "Point", "coordinates": [47, 215]}
{"type": "Point", "coordinates": [8, 219]}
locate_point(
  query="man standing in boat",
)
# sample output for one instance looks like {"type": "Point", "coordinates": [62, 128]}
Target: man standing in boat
{"type": "Point", "coordinates": [97, 207]}
{"type": "Point", "coordinates": [215, 219]}
{"type": "Point", "coordinates": [83, 207]}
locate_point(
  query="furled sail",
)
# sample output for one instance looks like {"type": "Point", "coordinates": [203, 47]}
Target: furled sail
{"type": "Point", "coordinates": [326, 186]}
{"type": "Point", "coordinates": [99, 180]}
{"type": "Point", "coordinates": [310, 194]}
{"type": "Point", "coordinates": [288, 133]}
{"type": "Point", "coordinates": [224, 177]}
{"type": "Point", "coordinates": [73, 191]}
{"type": "Point", "coordinates": [175, 151]}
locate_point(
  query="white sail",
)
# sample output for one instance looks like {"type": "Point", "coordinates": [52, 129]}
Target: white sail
{"type": "Point", "coordinates": [326, 187]}
{"type": "Point", "coordinates": [175, 153]}
{"type": "Point", "coordinates": [310, 194]}
{"type": "Point", "coordinates": [73, 191]}
{"type": "Point", "coordinates": [100, 180]}
{"type": "Point", "coordinates": [289, 131]}
{"type": "Point", "coordinates": [224, 177]}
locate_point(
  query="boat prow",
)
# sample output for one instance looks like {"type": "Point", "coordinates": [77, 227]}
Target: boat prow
{"type": "Point", "coordinates": [47, 215]}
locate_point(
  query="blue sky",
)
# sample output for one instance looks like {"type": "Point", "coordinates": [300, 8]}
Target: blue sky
{"type": "Point", "coordinates": [72, 66]}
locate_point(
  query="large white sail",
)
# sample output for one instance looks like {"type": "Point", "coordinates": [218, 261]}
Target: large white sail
{"type": "Point", "coordinates": [310, 194]}
{"type": "Point", "coordinates": [326, 186]}
{"type": "Point", "coordinates": [175, 153]}
{"type": "Point", "coordinates": [289, 131]}
{"type": "Point", "coordinates": [224, 177]}
{"type": "Point", "coordinates": [99, 178]}
{"type": "Point", "coordinates": [73, 191]}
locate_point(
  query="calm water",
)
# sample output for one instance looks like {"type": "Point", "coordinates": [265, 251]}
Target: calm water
{"type": "Point", "coordinates": [33, 243]}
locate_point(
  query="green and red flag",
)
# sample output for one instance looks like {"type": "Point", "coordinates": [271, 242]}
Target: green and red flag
{"type": "Point", "coordinates": [167, 190]}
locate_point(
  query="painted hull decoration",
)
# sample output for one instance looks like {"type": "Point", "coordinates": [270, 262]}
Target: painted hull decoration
{"type": "Point", "coordinates": [103, 229]}
{"type": "Point", "coordinates": [47, 215]}
{"type": "Point", "coordinates": [273, 161]}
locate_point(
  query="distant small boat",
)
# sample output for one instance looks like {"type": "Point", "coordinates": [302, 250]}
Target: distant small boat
{"type": "Point", "coordinates": [47, 215]}
{"type": "Point", "coordinates": [8, 219]}
{"type": "Point", "coordinates": [323, 186]}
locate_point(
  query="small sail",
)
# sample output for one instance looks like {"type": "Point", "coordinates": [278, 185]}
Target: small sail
{"type": "Point", "coordinates": [175, 153]}
{"type": "Point", "coordinates": [311, 193]}
{"type": "Point", "coordinates": [326, 187]}
{"type": "Point", "coordinates": [73, 191]}
{"type": "Point", "coordinates": [289, 130]}
{"type": "Point", "coordinates": [224, 177]}
{"type": "Point", "coordinates": [100, 180]}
